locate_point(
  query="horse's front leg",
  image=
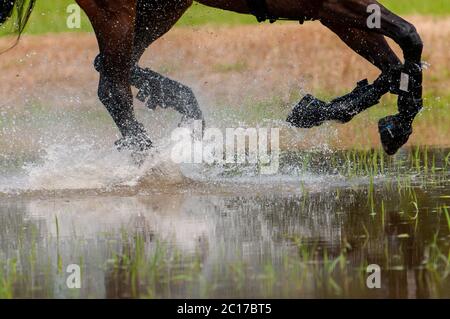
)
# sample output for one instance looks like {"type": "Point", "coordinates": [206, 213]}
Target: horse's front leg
{"type": "Point", "coordinates": [311, 111]}
{"type": "Point", "coordinates": [114, 24]}
{"type": "Point", "coordinates": [395, 130]}
{"type": "Point", "coordinates": [404, 80]}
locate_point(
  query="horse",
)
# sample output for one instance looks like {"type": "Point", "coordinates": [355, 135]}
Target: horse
{"type": "Point", "coordinates": [126, 28]}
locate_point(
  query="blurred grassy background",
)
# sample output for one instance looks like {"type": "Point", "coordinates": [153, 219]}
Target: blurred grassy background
{"type": "Point", "coordinates": [50, 15]}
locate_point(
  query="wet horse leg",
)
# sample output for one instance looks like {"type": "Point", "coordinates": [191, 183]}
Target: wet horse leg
{"type": "Point", "coordinates": [407, 84]}
{"type": "Point", "coordinates": [403, 80]}
{"type": "Point", "coordinates": [375, 49]}
{"type": "Point", "coordinates": [158, 90]}
{"type": "Point", "coordinates": [114, 23]}
{"type": "Point", "coordinates": [151, 23]}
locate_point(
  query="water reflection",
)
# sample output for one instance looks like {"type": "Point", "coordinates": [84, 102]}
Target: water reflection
{"type": "Point", "coordinates": [234, 245]}
{"type": "Point", "coordinates": [310, 231]}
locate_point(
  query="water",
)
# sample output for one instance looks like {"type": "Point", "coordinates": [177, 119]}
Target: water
{"type": "Point", "coordinates": [164, 230]}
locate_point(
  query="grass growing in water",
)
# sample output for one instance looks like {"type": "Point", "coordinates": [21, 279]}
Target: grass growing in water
{"type": "Point", "coordinates": [393, 216]}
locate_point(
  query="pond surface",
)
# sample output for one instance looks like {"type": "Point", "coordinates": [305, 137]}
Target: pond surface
{"type": "Point", "coordinates": [309, 231]}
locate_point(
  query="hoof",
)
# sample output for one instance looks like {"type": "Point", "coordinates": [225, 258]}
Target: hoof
{"type": "Point", "coordinates": [139, 143]}
{"type": "Point", "coordinates": [394, 132]}
{"type": "Point", "coordinates": [139, 146]}
{"type": "Point", "coordinates": [309, 112]}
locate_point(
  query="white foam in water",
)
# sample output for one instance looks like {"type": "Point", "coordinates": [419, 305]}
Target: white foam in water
{"type": "Point", "coordinates": [80, 167]}
{"type": "Point", "coordinates": [84, 166]}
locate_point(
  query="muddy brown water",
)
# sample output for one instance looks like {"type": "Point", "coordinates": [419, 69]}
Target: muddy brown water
{"type": "Point", "coordinates": [309, 231]}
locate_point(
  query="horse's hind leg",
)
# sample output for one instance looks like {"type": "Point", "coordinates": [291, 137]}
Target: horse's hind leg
{"type": "Point", "coordinates": [113, 23]}
{"type": "Point", "coordinates": [155, 89]}
{"type": "Point", "coordinates": [158, 90]}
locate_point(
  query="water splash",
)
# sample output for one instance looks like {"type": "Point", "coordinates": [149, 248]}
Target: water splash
{"type": "Point", "coordinates": [83, 166]}
{"type": "Point", "coordinates": [89, 166]}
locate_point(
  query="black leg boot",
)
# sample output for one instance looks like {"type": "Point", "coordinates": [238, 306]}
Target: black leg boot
{"type": "Point", "coordinates": [310, 112]}
{"type": "Point", "coordinates": [395, 130]}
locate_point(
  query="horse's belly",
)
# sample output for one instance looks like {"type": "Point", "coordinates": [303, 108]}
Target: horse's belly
{"type": "Point", "coordinates": [294, 9]}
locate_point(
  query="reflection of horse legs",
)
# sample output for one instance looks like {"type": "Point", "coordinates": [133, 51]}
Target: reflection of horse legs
{"type": "Point", "coordinates": [403, 80]}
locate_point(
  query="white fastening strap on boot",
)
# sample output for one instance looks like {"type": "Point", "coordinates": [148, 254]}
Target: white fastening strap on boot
{"type": "Point", "coordinates": [404, 82]}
